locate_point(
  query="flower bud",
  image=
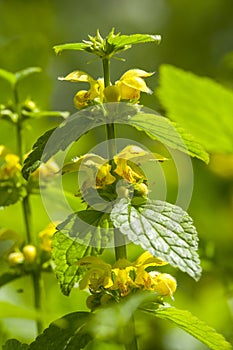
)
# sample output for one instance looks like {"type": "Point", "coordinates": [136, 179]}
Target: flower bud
{"type": "Point", "coordinates": [29, 252]}
{"type": "Point", "coordinates": [141, 189]}
{"type": "Point", "coordinates": [112, 93]}
{"type": "Point", "coordinates": [15, 258]}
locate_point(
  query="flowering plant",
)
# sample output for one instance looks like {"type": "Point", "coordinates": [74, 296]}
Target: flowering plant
{"type": "Point", "coordinates": [115, 210]}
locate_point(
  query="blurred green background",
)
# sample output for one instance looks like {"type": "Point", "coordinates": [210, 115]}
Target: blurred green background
{"type": "Point", "coordinates": [196, 36]}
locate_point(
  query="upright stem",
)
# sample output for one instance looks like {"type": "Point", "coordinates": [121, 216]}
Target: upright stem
{"type": "Point", "coordinates": [119, 239]}
{"type": "Point", "coordinates": [26, 208]}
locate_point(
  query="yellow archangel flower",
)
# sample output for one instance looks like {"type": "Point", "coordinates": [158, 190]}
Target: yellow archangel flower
{"type": "Point", "coordinates": [11, 166]}
{"type": "Point", "coordinates": [46, 236]}
{"type": "Point", "coordinates": [98, 274]}
{"type": "Point", "coordinates": [132, 83]}
{"type": "Point", "coordinates": [128, 87]}
{"type": "Point", "coordinates": [125, 276]}
{"type": "Point", "coordinates": [84, 98]}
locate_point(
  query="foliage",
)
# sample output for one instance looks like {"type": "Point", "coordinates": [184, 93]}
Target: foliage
{"type": "Point", "coordinates": [115, 195]}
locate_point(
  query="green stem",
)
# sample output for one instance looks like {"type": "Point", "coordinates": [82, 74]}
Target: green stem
{"type": "Point", "coordinates": [130, 333]}
{"type": "Point", "coordinates": [119, 239]}
{"type": "Point", "coordinates": [36, 280]}
{"type": "Point", "coordinates": [26, 208]}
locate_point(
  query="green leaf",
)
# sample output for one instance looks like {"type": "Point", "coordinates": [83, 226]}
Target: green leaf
{"type": "Point", "coordinates": [201, 105]}
{"type": "Point", "coordinates": [164, 229]}
{"type": "Point", "coordinates": [58, 139]}
{"type": "Point", "coordinates": [10, 192]}
{"type": "Point", "coordinates": [120, 41]}
{"type": "Point", "coordinates": [90, 227]}
{"type": "Point", "coordinates": [45, 114]}
{"type": "Point", "coordinates": [168, 133]}
{"type": "Point", "coordinates": [66, 253]}
{"type": "Point", "coordinates": [66, 333]}
{"type": "Point", "coordinates": [73, 46]}
{"type": "Point", "coordinates": [9, 310]}
{"type": "Point", "coordinates": [13, 344]}
{"type": "Point", "coordinates": [192, 325]}
{"type": "Point", "coordinates": [8, 76]}
{"type": "Point", "coordinates": [33, 161]}
{"type": "Point", "coordinates": [22, 74]}
{"type": "Point", "coordinates": [9, 277]}
{"type": "Point", "coordinates": [82, 233]}
{"type": "Point", "coordinates": [113, 321]}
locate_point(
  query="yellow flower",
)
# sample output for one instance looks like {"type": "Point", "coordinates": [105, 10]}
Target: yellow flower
{"type": "Point", "coordinates": [126, 163]}
{"type": "Point", "coordinates": [164, 284]}
{"type": "Point", "coordinates": [132, 83]}
{"type": "Point", "coordinates": [98, 274]}
{"type": "Point", "coordinates": [84, 98]}
{"type": "Point", "coordinates": [96, 168]}
{"type": "Point", "coordinates": [46, 236]}
{"type": "Point", "coordinates": [11, 166]}
{"type": "Point", "coordinates": [123, 281]}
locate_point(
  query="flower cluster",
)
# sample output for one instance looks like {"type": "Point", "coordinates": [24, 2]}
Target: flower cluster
{"type": "Point", "coordinates": [127, 88]}
{"type": "Point", "coordinates": [125, 277]}
{"type": "Point", "coordinates": [10, 166]}
{"type": "Point", "coordinates": [99, 174]}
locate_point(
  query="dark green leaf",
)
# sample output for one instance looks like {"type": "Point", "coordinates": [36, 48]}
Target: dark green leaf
{"type": "Point", "coordinates": [73, 46]}
{"type": "Point", "coordinates": [192, 325]}
{"type": "Point", "coordinates": [8, 277]}
{"type": "Point", "coordinates": [164, 229]}
{"type": "Point", "coordinates": [66, 333]}
{"type": "Point", "coordinates": [10, 192]}
{"type": "Point", "coordinates": [90, 227]}
{"type": "Point", "coordinates": [66, 253]}
{"type": "Point", "coordinates": [13, 344]}
{"type": "Point", "coordinates": [162, 129]}
{"type": "Point", "coordinates": [8, 76]}
{"type": "Point", "coordinates": [201, 105]}
{"type": "Point", "coordinates": [33, 161]}
{"type": "Point", "coordinates": [20, 75]}
{"type": "Point", "coordinates": [58, 139]}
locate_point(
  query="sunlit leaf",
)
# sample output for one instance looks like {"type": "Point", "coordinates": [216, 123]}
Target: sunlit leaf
{"type": "Point", "coordinates": [66, 333]}
{"type": "Point", "coordinates": [8, 76]}
{"type": "Point", "coordinates": [171, 135]}
{"type": "Point", "coordinates": [20, 75]}
{"type": "Point", "coordinates": [9, 310]}
{"type": "Point", "coordinates": [73, 46]}
{"type": "Point", "coordinates": [13, 344]}
{"type": "Point", "coordinates": [45, 114]}
{"type": "Point", "coordinates": [120, 41]}
{"type": "Point", "coordinates": [66, 252]}
{"type": "Point", "coordinates": [192, 325]}
{"type": "Point", "coordinates": [164, 229]}
{"type": "Point", "coordinates": [200, 105]}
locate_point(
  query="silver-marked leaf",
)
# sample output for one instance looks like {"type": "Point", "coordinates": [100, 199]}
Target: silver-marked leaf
{"type": "Point", "coordinates": [164, 229]}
